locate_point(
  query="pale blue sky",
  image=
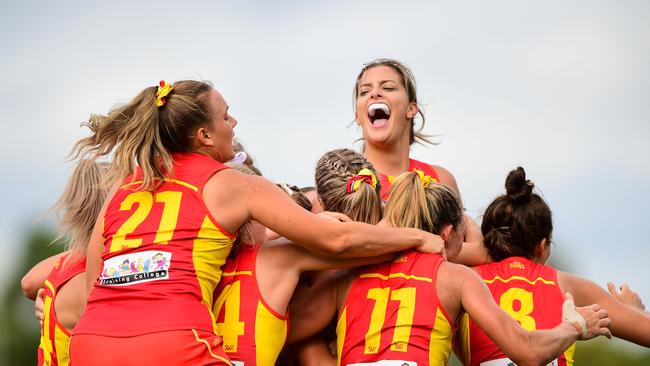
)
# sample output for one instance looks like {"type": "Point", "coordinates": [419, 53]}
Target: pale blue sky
{"type": "Point", "coordinates": [559, 87]}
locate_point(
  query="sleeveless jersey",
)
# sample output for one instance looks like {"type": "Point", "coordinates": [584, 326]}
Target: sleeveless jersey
{"type": "Point", "coordinates": [253, 333]}
{"type": "Point", "coordinates": [55, 339]}
{"type": "Point", "coordinates": [387, 180]}
{"type": "Point", "coordinates": [392, 314]}
{"type": "Point", "coordinates": [526, 290]}
{"type": "Point", "coordinates": [162, 256]}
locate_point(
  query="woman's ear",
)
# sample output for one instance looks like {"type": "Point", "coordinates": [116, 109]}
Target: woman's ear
{"type": "Point", "coordinates": [412, 110]}
{"type": "Point", "coordinates": [446, 232]}
{"type": "Point", "coordinates": [204, 137]}
{"type": "Point", "coordinates": [541, 248]}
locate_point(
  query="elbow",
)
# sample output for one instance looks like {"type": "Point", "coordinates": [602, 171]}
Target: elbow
{"type": "Point", "coordinates": [29, 287]}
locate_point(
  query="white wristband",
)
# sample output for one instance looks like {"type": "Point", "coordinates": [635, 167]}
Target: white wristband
{"type": "Point", "coordinates": [570, 313]}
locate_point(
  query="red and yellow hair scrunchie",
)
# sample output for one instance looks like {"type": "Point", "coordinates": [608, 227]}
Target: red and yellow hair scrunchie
{"type": "Point", "coordinates": [364, 175]}
{"type": "Point", "coordinates": [164, 88]}
{"type": "Point", "coordinates": [425, 179]}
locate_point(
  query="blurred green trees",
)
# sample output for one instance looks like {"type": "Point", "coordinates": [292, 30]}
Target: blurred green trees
{"type": "Point", "coordinates": [19, 329]}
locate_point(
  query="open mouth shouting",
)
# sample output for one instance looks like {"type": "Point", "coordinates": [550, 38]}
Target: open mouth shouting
{"type": "Point", "coordinates": [378, 114]}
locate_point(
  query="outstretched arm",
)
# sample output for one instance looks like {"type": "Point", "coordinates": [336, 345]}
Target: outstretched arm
{"type": "Point", "coordinates": [234, 198]}
{"type": "Point", "coordinates": [524, 348]}
{"type": "Point", "coordinates": [628, 323]}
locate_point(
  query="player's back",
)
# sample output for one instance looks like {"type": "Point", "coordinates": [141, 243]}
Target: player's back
{"type": "Point", "coordinates": [392, 312]}
{"type": "Point", "coordinates": [526, 290]}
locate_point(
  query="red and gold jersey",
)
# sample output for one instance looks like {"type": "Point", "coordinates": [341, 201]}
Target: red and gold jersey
{"type": "Point", "coordinates": [387, 180]}
{"type": "Point", "coordinates": [392, 314]}
{"type": "Point", "coordinates": [162, 256]}
{"type": "Point", "coordinates": [253, 333]}
{"type": "Point", "coordinates": [526, 290]}
{"type": "Point", "coordinates": [55, 338]}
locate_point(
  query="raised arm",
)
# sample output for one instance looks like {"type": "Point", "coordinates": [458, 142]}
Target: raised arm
{"type": "Point", "coordinates": [524, 348]}
{"type": "Point", "coordinates": [628, 322]}
{"type": "Point", "coordinates": [233, 198]}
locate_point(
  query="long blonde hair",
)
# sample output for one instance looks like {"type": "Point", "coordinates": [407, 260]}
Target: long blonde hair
{"type": "Point", "coordinates": [410, 204]}
{"type": "Point", "coordinates": [143, 134]}
{"type": "Point", "coordinates": [333, 172]}
{"type": "Point", "coordinates": [80, 204]}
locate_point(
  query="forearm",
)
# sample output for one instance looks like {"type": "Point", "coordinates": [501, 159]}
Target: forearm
{"type": "Point", "coordinates": [363, 240]}
{"type": "Point", "coordinates": [546, 345]}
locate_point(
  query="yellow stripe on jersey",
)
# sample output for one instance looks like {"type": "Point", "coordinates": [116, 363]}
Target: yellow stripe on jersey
{"type": "Point", "coordinates": [211, 247]}
{"type": "Point", "coordinates": [440, 343]}
{"type": "Point", "coordinates": [240, 273]}
{"type": "Point", "coordinates": [519, 278]}
{"type": "Point", "coordinates": [464, 339]}
{"type": "Point", "coordinates": [569, 353]}
{"type": "Point", "coordinates": [62, 345]}
{"type": "Point", "coordinates": [169, 180]}
{"type": "Point", "coordinates": [270, 335]}
{"type": "Point", "coordinates": [49, 285]}
{"type": "Point", "coordinates": [341, 326]}
{"type": "Point", "coordinates": [395, 275]}
{"type": "Point", "coordinates": [46, 341]}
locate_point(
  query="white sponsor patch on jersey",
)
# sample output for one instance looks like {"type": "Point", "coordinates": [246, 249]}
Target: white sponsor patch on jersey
{"type": "Point", "coordinates": [133, 268]}
{"type": "Point", "coordinates": [508, 362]}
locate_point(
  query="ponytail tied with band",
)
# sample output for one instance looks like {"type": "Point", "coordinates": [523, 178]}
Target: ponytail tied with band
{"type": "Point", "coordinates": [425, 179]}
{"type": "Point", "coordinates": [364, 175]}
{"type": "Point", "coordinates": [164, 88]}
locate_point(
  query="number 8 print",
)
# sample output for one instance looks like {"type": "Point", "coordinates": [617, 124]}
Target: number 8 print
{"type": "Point", "coordinates": [522, 315]}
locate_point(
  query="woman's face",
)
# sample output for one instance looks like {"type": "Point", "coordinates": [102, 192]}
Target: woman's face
{"type": "Point", "coordinates": [221, 129]}
{"type": "Point", "coordinates": [383, 109]}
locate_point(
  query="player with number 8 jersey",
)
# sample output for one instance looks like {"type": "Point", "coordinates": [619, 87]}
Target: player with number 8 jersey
{"type": "Point", "coordinates": [392, 312]}
{"type": "Point", "coordinates": [526, 290]}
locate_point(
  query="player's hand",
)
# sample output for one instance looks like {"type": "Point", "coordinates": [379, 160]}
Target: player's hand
{"type": "Point", "coordinates": [337, 216]}
{"type": "Point", "coordinates": [626, 296]}
{"type": "Point", "coordinates": [39, 306]}
{"type": "Point", "coordinates": [590, 321]}
{"type": "Point", "coordinates": [433, 244]}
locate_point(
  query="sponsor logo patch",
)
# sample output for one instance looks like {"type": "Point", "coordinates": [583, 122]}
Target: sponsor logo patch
{"type": "Point", "coordinates": [132, 268]}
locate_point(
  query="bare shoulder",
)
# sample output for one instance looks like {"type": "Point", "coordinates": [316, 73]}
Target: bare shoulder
{"type": "Point", "coordinates": [446, 177]}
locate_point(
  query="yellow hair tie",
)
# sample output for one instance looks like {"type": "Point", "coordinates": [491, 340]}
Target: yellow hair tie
{"type": "Point", "coordinates": [164, 88]}
{"type": "Point", "coordinates": [364, 175]}
{"type": "Point", "coordinates": [425, 179]}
